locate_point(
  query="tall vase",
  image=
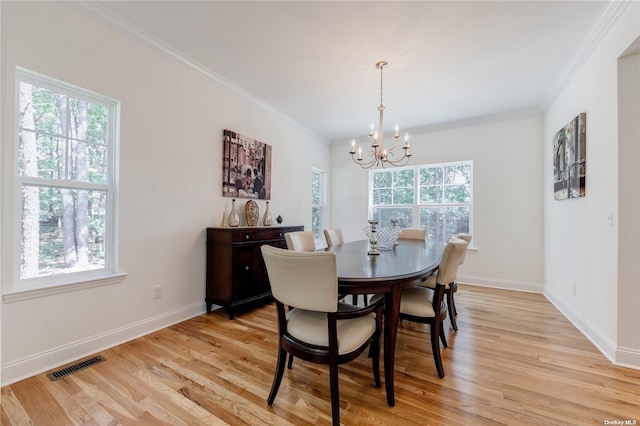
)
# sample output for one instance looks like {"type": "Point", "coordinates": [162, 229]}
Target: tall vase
{"type": "Point", "coordinates": [266, 220]}
{"type": "Point", "coordinates": [234, 217]}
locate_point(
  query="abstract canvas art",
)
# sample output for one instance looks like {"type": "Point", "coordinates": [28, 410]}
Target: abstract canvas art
{"type": "Point", "coordinates": [246, 167]}
{"type": "Point", "coordinates": [569, 159]}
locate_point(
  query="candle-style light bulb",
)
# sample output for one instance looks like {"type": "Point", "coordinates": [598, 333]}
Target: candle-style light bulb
{"type": "Point", "coordinates": [397, 128]}
{"type": "Point", "coordinates": [353, 146]}
{"type": "Point", "coordinates": [359, 153]}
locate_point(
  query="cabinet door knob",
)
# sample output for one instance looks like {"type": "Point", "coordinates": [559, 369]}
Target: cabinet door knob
{"type": "Point", "coordinates": [246, 237]}
{"type": "Point", "coordinates": [246, 268]}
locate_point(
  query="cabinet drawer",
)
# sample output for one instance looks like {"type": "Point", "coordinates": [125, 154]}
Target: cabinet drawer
{"type": "Point", "coordinates": [241, 236]}
{"type": "Point", "coordinates": [272, 234]}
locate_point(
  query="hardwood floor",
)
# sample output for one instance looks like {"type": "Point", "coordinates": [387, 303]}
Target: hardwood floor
{"type": "Point", "coordinates": [515, 360]}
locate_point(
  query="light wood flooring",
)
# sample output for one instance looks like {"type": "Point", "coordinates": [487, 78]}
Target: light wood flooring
{"type": "Point", "coordinates": [515, 361]}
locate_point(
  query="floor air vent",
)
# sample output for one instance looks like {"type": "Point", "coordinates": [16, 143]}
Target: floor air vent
{"type": "Point", "coordinates": [64, 372]}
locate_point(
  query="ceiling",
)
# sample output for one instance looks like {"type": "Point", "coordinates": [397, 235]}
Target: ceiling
{"type": "Point", "coordinates": [313, 63]}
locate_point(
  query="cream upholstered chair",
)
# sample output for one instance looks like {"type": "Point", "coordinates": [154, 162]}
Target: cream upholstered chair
{"type": "Point", "coordinates": [426, 306]}
{"type": "Point", "coordinates": [300, 241]}
{"type": "Point", "coordinates": [413, 234]}
{"type": "Point", "coordinates": [319, 329]}
{"type": "Point", "coordinates": [451, 288]}
{"type": "Point", "coordinates": [333, 237]}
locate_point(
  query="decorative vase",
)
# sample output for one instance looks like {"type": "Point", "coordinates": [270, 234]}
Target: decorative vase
{"type": "Point", "coordinates": [279, 220]}
{"type": "Point", "coordinates": [266, 220]}
{"type": "Point", "coordinates": [224, 223]}
{"type": "Point", "coordinates": [373, 238]}
{"type": "Point", "coordinates": [252, 212]}
{"type": "Point", "coordinates": [234, 217]}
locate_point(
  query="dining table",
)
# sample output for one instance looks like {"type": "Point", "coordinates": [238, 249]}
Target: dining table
{"type": "Point", "coordinates": [406, 264]}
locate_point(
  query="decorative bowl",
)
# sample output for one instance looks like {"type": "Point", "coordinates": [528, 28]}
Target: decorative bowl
{"type": "Point", "coordinates": [386, 236]}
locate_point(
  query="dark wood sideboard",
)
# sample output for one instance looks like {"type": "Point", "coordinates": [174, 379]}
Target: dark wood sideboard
{"type": "Point", "coordinates": [236, 274]}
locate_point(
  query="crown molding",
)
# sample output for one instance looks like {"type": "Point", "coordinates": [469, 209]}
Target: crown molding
{"type": "Point", "coordinates": [607, 18]}
{"type": "Point", "coordinates": [127, 29]}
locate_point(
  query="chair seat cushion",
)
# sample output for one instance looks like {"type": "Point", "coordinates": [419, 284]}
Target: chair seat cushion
{"type": "Point", "coordinates": [311, 327]}
{"type": "Point", "coordinates": [431, 282]}
{"type": "Point", "coordinates": [417, 301]}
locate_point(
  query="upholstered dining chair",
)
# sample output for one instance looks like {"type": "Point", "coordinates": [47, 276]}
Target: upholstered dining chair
{"type": "Point", "coordinates": [451, 288]}
{"type": "Point", "coordinates": [319, 329]}
{"type": "Point", "coordinates": [426, 305]}
{"type": "Point", "coordinates": [413, 234]}
{"type": "Point", "coordinates": [300, 241]}
{"type": "Point", "coordinates": [333, 237]}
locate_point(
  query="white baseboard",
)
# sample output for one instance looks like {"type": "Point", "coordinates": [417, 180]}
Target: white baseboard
{"type": "Point", "coordinates": [624, 357]}
{"type": "Point", "coordinates": [604, 344]}
{"type": "Point", "coordinates": [23, 368]}
{"type": "Point", "coordinates": [530, 287]}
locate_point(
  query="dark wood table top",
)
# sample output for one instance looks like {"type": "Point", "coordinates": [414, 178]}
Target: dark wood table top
{"type": "Point", "coordinates": [410, 260]}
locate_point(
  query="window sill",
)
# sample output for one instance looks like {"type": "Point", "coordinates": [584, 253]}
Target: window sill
{"type": "Point", "coordinates": [20, 295]}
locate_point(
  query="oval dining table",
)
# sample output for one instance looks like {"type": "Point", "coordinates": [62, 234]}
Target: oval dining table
{"type": "Point", "coordinates": [406, 264]}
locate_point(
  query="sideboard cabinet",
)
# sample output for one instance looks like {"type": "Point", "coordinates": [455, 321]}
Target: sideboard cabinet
{"type": "Point", "coordinates": [236, 274]}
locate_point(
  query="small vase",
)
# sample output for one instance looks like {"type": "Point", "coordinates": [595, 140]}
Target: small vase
{"type": "Point", "coordinates": [234, 217]}
{"type": "Point", "coordinates": [252, 212]}
{"type": "Point", "coordinates": [266, 220]}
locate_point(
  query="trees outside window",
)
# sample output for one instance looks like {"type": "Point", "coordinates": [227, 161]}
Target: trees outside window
{"type": "Point", "coordinates": [65, 147]}
{"type": "Point", "coordinates": [437, 197]}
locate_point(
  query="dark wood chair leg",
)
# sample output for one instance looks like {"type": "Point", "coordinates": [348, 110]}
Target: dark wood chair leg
{"type": "Point", "coordinates": [290, 363]}
{"type": "Point", "coordinates": [443, 338]}
{"type": "Point", "coordinates": [435, 347]}
{"type": "Point", "coordinates": [335, 397]}
{"type": "Point", "coordinates": [452, 309]}
{"type": "Point", "coordinates": [277, 379]}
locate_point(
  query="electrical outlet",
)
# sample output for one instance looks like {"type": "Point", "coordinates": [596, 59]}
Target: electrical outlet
{"type": "Point", "coordinates": [157, 292]}
{"type": "Point", "coordinates": [574, 288]}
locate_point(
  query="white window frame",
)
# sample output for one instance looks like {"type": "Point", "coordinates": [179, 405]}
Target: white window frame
{"type": "Point", "coordinates": [26, 288]}
{"type": "Point", "coordinates": [416, 202]}
{"type": "Point", "coordinates": [319, 239]}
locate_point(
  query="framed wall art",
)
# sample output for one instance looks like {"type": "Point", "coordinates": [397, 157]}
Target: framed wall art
{"type": "Point", "coordinates": [246, 167]}
{"type": "Point", "coordinates": [569, 159]}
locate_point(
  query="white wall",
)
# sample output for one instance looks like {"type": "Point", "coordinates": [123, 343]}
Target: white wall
{"type": "Point", "coordinates": [580, 247]}
{"type": "Point", "coordinates": [172, 120]}
{"type": "Point", "coordinates": [508, 225]}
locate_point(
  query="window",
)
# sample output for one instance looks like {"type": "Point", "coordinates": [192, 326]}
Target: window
{"type": "Point", "coordinates": [318, 203]}
{"type": "Point", "coordinates": [437, 197]}
{"type": "Point", "coordinates": [66, 182]}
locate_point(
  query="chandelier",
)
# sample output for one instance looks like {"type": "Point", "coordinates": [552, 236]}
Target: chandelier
{"type": "Point", "coordinates": [379, 155]}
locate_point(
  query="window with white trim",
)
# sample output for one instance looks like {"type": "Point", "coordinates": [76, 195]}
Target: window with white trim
{"type": "Point", "coordinates": [438, 197]}
{"type": "Point", "coordinates": [65, 182]}
{"type": "Point", "coordinates": [318, 203]}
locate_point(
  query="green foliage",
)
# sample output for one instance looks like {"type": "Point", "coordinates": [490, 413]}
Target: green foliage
{"type": "Point", "coordinates": [71, 144]}
{"type": "Point", "coordinates": [442, 206]}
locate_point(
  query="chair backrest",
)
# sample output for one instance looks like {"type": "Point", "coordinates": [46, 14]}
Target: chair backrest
{"type": "Point", "coordinates": [300, 241]}
{"type": "Point", "coordinates": [453, 252]}
{"type": "Point", "coordinates": [467, 238]}
{"type": "Point", "coordinates": [413, 234]}
{"type": "Point", "coordinates": [333, 237]}
{"type": "Point", "coordinates": [306, 280]}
